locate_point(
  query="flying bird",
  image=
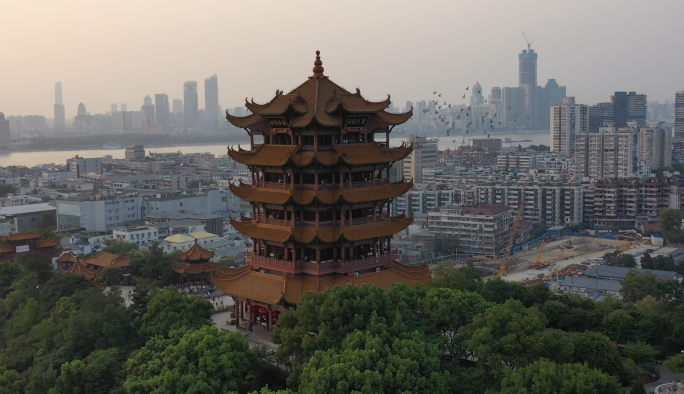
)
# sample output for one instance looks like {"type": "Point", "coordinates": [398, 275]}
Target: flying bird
{"type": "Point", "coordinates": [440, 95]}
{"type": "Point", "coordinates": [485, 101]}
{"type": "Point", "coordinates": [467, 87]}
{"type": "Point", "coordinates": [479, 91]}
{"type": "Point", "coordinates": [435, 92]}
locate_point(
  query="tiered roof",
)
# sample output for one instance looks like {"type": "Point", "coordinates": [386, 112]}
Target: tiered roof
{"type": "Point", "coordinates": [79, 267]}
{"type": "Point", "coordinates": [317, 100]}
{"type": "Point", "coordinates": [329, 196]}
{"type": "Point", "coordinates": [196, 261]}
{"type": "Point", "coordinates": [269, 155]}
{"type": "Point", "coordinates": [272, 289]}
{"type": "Point", "coordinates": [18, 237]}
{"type": "Point", "coordinates": [102, 259]}
{"type": "Point", "coordinates": [387, 227]}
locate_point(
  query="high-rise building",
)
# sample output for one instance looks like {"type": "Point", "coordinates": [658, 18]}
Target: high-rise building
{"type": "Point", "coordinates": [4, 130]}
{"type": "Point", "coordinates": [476, 97]}
{"type": "Point", "coordinates": [495, 94]}
{"type": "Point", "coordinates": [656, 145]}
{"type": "Point", "coordinates": [60, 114]}
{"type": "Point", "coordinates": [162, 105]}
{"type": "Point", "coordinates": [548, 96]}
{"type": "Point", "coordinates": [567, 121]}
{"type": "Point", "coordinates": [81, 111]}
{"type": "Point", "coordinates": [191, 105]}
{"type": "Point", "coordinates": [610, 153]}
{"type": "Point", "coordinates": [177, 106]}
{"type": "Point", "coordinates": [512, 99]}
{"type": "Point", "coordinates": [628, 107]}
{"type": "Point", "coordinates": [527, 81]}
{"type": "Point", "coordinates": [124, 108]}
{"type": "Point", "coordinates": [599, 114]}
{"type": "Point", "coordinates": [211, 99]}
{"type": "Point", "coordinates": [148, 108]}
{"type": "Point", "coordinates": [679, 115]}
{"type": "Point", "coordinates": [424, 155]}
{"type": "Point", "coordinates": [114, 108]}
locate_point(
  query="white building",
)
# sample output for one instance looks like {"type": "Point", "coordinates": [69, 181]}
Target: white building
{"type": "Point", "coordinates": [138, 235]}
{"type": "Point", "coordinates": [80, 165]}
{"type": "Point", "coordinates": [656, 145]}
{"type": "Point", "coordinates": [610, 153]}
{"type": "Point", "coordinates": [567, 121]}
{"type": "Point", "coordinates": [99, 213]}
{"type": "Point", "coordinates": [424, 155]}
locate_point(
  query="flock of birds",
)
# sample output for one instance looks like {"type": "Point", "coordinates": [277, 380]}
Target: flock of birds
{"type": "Point", "coordinates": [492, 122]}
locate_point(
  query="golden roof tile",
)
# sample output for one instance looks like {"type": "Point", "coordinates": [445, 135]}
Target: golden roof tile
{"type": "Point", "coordinates": [377, 193]}
{"type": "Point", "coordinates": [6, 249]}
{"type": "Point", "coordinates": [196, 253]}
{"type": "Point", "coordinates": [105, 259]}
{"type": "Point", "coordinates": [46, 243]}
{"type": "Point", "coordinates": [384, 228]}
{"type": "Point", "coordinates": [371, 153]}
{"type": "Point", "coordinates": [13, 237]}
{"type": "Point", "coordinates": [79, 267]}
{"type": "Point", "coordinates": [253, 285]}
{"type": "Point", "coordinates": [264, 155]}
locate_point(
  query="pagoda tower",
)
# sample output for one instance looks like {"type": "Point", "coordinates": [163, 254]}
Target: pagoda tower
{"type": "Point", "coordinates": [196, 264]}
{"type": "Point", "coordinates": [320, 194]}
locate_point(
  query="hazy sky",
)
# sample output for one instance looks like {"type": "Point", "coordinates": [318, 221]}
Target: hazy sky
{"type": "Point", "coordinates": [119, 51]}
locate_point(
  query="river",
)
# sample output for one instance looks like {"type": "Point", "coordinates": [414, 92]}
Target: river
{"type": "Point", "coordinates": [33, 158]}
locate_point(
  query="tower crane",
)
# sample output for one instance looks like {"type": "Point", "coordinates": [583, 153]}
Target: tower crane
{"type": "Point", "coordinates": [537, 263]}
{"type": "Point", "coordinates": [471, 245]}
{"type": "Point", "coordinates": [511, 240]}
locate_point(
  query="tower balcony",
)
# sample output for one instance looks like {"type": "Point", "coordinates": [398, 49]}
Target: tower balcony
{"type": "Point", "coordinates": [323, 267]}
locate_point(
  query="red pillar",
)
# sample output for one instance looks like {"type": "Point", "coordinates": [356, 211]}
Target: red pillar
{"type": "Point", "coordinates": [250, 315]}
{"type": "Point", "coordinates": [270, 319]}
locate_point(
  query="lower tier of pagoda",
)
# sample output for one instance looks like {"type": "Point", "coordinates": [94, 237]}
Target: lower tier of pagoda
{"type": "Point", "coordinates": [287, 289]}
{"type": "Point", "coordinates": [322, 268]}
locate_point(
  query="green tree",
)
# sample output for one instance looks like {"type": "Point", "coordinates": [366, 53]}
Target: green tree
{"type": "Point", "coordinates": [671, 224]}
{"type": "Point", "coordinates": [167, 310]}
{"type": "Point", "coordinates": [511, 335]}
{"type": "Point", "coordinates": [453, 277]}
{"type": "Point", "coordinates": [11, 382]}
{"type": "Point", "coordinates": [451, 311]}
{"type": "Point", "coordinates": [9, 272]}
{"type": "Point", "coordinates": [638, 388]}
{"type": "Point", "coordinates": [6, 189]}
{"type": "Point", "coordinates": [536, 295]}
{"type": "Point", "coordinates": [118, 246]}
{"type": "Point", "coordinates": [99, 373]}
{"type": "Point", "coordinates": [545, 377]}
{"type": "Point", "coordinates": [366, 364]}
{"type": "Point", "coordinates": [598, 352]}
{"type": "Point", "coordinates": [675, 363]}
{"type": "Point", "coordinates": [640, 352]}
{"type": "Point", "coordinates": [203, 360]}
{"type": "Point", "coordinates": [499, 290]}
{"type": "Point", "coordinates": [38, 263]}
{"type": "Point", "coordinates": [619, 326]}
{"type": "Point", "coordinates": [637, 286]}
{"type": "Point", "coordinates": [621, 260]}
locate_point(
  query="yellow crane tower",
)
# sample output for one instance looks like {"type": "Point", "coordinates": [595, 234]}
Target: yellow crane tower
{"type": "Point", "coordinates": [511, 240]}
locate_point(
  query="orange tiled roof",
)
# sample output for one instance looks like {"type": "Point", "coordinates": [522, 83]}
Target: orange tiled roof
{"type": "Point", "coordinates": [194, 269]}
{"type": "Point", "coordinates": [196, 253]}
{"type": "Point", "coordinates": [377, 193]}
{"type": "Point", "coordinates": [317, 99]}
{"type": "Point", "coordinates": [264, 155]}
{"type": "Point", "coordinates": [6, 248]}
{"type": "Point", "coordinates": [79, 267]}
{"type": "Point", "coordinates": [104, 259]}
{"type": "Point", "coordinates": [271, 289]}
{"type": "Point", "coordinates": [66, 257]}
{"type": "Point", "coordinates": [354, 154]}
{"type": "Point", "coordinates": [13, 237]}
{"type": "Point", "coordinates": [250, 228]}
{"type": "Point", "coordinates": [46, 243]}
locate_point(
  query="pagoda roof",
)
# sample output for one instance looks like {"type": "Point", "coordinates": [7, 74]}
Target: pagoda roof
{"type": "Point", "coordinates": [328, 196]}
{"type": "Point", "coordinates": [46, 243]}
{"type": "Point", "coordinates": [15, 237]}
{"type": "Point", "coordinates": [195, 269]}
{"type": "Point", "coordinates": [317, 99]}
{"type": "Point", "coordinates": [6, 248]}
{"type": "Point", "coordinates": [352, 154]}
{"type": "Point", "coordinates": [102, 259]}
{"type": "Point", "coordinates": [250, 228]}
{"type": "Point", "coordinates": [196, 253]}
{"type": "Point", "coordinates": [272, 289]}
{"type": "Point", "coordinates": [80, 267]}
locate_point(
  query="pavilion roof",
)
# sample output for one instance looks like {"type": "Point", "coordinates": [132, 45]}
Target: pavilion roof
{"type": "Point", "coordinates": [6, 249]}
{"type": "Point", "coordinates": [272, 289]}
{"type": "Point", "coordinates": [80, 267]}
{"type": "Point", "coordinates": [196, 253]}
{"type": "Point", "coordinates": [327, 196]}
{"type": "Point", "coordinates": [46, 243]}
{"type": "Point", "coordinates": [14, 237]}
{"type": "Point", "coordinates": [387, 227]}
{"type": "Point", "coordinates": [268, 155]}
{"type": "Point", "coordinates": [317, 99]}
{"type": "Point", "coordinates": [105, 259]}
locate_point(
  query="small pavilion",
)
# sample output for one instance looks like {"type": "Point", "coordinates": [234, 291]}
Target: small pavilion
{"type": "Point", "coordinates": [196, 265]}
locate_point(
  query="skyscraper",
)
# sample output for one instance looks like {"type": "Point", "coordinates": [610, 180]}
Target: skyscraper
{"type": "Point", "coordinates": [527, 81]}
{"type": "Point", "coordinates": [656, 145]}
{"type": "Point", "coordinates": [599, 114]}
{"type": "Point", "coordinates": [124, 108]}
{"type": "Point", "coordinates": [679, 115]}
{"type": "Point", "coordinates": [476, 97]}
{"type": "Point", "coordinates": [211, 99]}
{"type": "Point", "coordinates": [113, 108]}
{"type": "Point", "coordinates": [4, 130]}
{"type": "Point", "coordinates": [81, 111]}
{"type": "Point", "coordinates": [628, 107]}
{"type": "Point", "coordinates": [191, 105]}
{"type": "Point", "coordinates": [60, 117]}
{"type": "Point", "coordinates": [162, 103]}
{"type": "Point", "coordinates": [177, 106]}
{"type": "Point", "coordinates": [148, 108]}
{"type": "Point", "coordinates": [567, 121]}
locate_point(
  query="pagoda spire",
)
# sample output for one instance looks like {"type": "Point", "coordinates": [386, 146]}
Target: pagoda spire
{"type": "Point", "coordinates": [318, 66]}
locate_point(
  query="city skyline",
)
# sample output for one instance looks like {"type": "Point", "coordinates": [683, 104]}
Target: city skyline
{"type": "Point", "coordinates": [416, 44]}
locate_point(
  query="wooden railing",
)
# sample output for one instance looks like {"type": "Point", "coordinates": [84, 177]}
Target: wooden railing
{"type": "Point", "coordinates": [276, 185]}
{"type": "Point", "coordinates": [342, 266]}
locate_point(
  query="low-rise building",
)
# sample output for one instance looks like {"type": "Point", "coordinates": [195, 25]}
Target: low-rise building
{"type": "Point", "coordinates": [138, 235]}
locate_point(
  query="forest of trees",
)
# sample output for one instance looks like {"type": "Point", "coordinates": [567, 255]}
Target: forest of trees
{"type": "Point", "coordinates": [61, 334]}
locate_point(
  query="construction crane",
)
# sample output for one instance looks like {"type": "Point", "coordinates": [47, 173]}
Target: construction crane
{"type": "Point", "coordinates": [529, 44]}
{"type": "Point", "coordinates": [511, 240]}
{"type": "Point", "coordinates": [537, 262]}
{"type": "Point", "coordinates": [470, 246]}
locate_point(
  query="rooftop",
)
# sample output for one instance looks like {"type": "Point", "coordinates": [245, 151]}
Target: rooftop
{"type": "Point", "coordinates": [25, 209]}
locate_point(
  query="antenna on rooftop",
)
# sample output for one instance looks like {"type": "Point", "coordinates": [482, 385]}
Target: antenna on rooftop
{"type": "Point", "coordinates": [529, 44]}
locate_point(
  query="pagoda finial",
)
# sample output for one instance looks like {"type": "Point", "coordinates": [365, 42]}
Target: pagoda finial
{"type": "Point", "coordinates": [318, 66]}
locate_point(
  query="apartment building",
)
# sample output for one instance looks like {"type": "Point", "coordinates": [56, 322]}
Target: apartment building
{"type": "Point", "coordinates": [610, 153]}
{"type": "Point", "coordinates": [656, 145]}
{"type": "Point", "coordinates": [98, 212]}
{"type": "Point", "coordinates": [489, 224]}
{"type": "Point", "coordinates": [424, 155]}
